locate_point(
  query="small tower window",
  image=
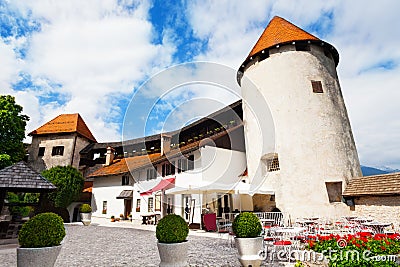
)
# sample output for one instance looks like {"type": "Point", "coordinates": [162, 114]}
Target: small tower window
{"type": "Point", "coordinates": [41, 151]}
{"type": "Point", "coordinates": [57, 151]}
{"type": "Point", "coordinates": [317, 86]}
{"type": "Point", "coordinates": [334, 191]}
{"type": "Point", "coordinates": [271, 162]}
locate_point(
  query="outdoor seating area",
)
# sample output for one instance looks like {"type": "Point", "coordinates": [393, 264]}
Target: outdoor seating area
{"type": "Point", "coordinates": [305, 230]}
{"type": "Point", "coordinates": [289, 237]}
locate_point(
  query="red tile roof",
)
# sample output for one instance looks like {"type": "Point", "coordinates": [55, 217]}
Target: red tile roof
{"type": "Point", "coordinates": [384, 184]}
{"type": "Point", "coordinates": [121, 166]}
{"type": "Point", "coordinates": [280, 31]}
{"type": "Point", "coordinates": [65, 123]}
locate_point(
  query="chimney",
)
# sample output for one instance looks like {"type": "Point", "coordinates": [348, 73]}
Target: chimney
{"type": "Point", "coordinates": [165, 143]}
{"type": "Point", "coordinates": [109, 156]}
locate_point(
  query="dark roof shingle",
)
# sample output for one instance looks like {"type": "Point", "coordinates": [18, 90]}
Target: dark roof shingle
{"type": "Point", "coordinates": [21, 177]}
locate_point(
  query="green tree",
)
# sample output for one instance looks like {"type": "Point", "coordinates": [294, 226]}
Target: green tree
{"type": "Point", "coordinates": [12, 131]}
{"type": "Point", "coordinates": [5, 160]}
{"type": "Point", "coordinates": [69, 182]}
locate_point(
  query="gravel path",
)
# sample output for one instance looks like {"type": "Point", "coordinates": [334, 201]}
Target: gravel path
{"type": "Point", "coordinates": [107, 246]}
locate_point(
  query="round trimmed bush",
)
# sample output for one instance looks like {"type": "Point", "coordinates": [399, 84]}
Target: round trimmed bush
{"type": "Point", "coordinates": [85, 208]}
{"type": "Point", "coordinates": [246, 225]}
{"type": "Point", "coordinates": [43, 230]}
{"type": "Point", "coordinates": [172, 229]}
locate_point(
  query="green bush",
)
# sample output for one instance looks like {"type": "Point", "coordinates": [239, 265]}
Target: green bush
{"type": "Point", "coordinates": [172, 229]}
{"type": "Point", "coordinates": [85, 208]}
{"type": "Point", "coordinates": [246, 225]}
{"type": "Point", "coordinates": [43, 230]}
{"type": "Point", "coordinates": [69, 182]}
{"type": "Point", "coordinates": [18, 210]}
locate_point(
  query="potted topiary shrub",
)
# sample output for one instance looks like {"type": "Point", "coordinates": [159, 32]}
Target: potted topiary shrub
{"type": "Point", "coordinates": [171, 232]}
{"type": "Point", "coordinates": [112, 218]}
{"type": "Point", "coordinates": [39, 240]}
{"type": "Point", "coordinates": [86, 214]}
{"type": "Point", "coordinates": [247, 228]}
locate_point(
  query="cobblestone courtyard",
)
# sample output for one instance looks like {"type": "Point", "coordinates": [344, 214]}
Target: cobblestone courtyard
{"type": "Point", "coordinates": [129, 244]}
{"type": "Point", "coordinates": [107, 246]}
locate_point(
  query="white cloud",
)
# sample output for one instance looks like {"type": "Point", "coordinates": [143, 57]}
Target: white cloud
{"type": "Point", "coordinates": [97, 51]}
{"type": "Point", "coordinates": [8, 68]}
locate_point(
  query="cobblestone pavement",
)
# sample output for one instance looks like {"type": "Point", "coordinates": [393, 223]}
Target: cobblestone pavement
{"type": "Point", "coordinates": [97, 245]}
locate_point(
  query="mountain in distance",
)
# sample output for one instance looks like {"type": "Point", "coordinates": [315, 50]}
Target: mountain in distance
{"type": "Point", "coordinates": [387, 169]}
{"type": "Point", "coordinates": [368, 171]}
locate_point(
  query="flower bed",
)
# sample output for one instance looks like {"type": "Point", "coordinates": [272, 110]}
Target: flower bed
{"type": "Point", "coordinates": [362, 249]}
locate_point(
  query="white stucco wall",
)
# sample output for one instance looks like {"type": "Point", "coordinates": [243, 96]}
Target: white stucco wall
{"type": "Point", "coordinates": [313, 137]}
{"type": "Point", "coordinates": [107, 189]}
{"type": "Point", "coordinates": [222, 165]}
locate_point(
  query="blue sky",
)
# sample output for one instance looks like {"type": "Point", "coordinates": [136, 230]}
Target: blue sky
{"type": "Point", "coordinates": [93, 56]}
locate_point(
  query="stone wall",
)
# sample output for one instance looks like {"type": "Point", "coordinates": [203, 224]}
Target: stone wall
{"type": "Point", "coordinates": [381, 208]}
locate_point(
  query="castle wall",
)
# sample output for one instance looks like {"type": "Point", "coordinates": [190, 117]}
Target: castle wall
{"type": "Point", "coordinates": [48, 161]}
{"type": "Point", "coordinates": [310, 132]}
{"type": "Point", "coordinates": [72, 144]}
{"type": "Point", "coordinates": [382, 208]}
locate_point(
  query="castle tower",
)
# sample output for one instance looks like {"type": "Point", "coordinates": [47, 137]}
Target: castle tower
{"type": "Point", "coordinates": [59, 141]}
{"type": "Point", "coordinates": [305, 150]}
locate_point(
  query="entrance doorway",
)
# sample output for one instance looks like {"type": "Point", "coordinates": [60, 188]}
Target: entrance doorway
{"type": "Point", "coordinates": [128, 207]}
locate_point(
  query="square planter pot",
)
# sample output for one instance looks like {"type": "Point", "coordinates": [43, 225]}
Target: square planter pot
{"type": "Point", "coordinates": [33, 257]}
{"type": "Point", "coordinates": [173, 254]}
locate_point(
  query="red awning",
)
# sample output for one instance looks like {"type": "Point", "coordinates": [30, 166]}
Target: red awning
{"type": "Point", "coordinates": [163, 184]}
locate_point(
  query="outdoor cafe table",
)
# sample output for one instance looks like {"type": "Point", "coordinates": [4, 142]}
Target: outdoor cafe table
{"type": "Point", "coordinates": [377, 226]}
{"type": "Point", "coordinates": [267, 221]}
{"type": "Point", "coordinates": [289, 230]}
{"type": "Point", "coordinates": [362, 220]}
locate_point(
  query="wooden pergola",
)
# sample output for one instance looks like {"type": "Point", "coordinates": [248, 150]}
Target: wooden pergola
{"type": "Point", "coordinates": [21, 178]}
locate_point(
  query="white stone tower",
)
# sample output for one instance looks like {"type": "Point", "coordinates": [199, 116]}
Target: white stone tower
{"type": "Point", "coordinates": [307, 155]}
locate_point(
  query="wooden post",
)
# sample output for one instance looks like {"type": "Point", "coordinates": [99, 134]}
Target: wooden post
{"type": "Point", "coordinates": [3, 194]}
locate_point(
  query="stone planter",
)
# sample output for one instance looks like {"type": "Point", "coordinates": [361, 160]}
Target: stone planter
{"type": "Point", "coordinates": [33, 257]}
{"type": "Point", "coordinates": [173, 254]}
{"type": "Point", "coordinates": [249, 249]}
{"type": "Point", "coordinates": [86, 218]}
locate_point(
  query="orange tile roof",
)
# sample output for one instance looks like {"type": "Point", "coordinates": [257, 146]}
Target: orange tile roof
{"type": "Point", "coordinates": [121, 166]}
{"type": "Point", "coordinates": [65, 123]}
{"type": "Point", "coordinates": [280, 31]}
{"type": "Point", "coordinates": [384, 184]}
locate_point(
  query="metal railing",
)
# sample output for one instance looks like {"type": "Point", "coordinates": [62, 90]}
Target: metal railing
{"type": "Point", "coordinates": [276, 216]}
